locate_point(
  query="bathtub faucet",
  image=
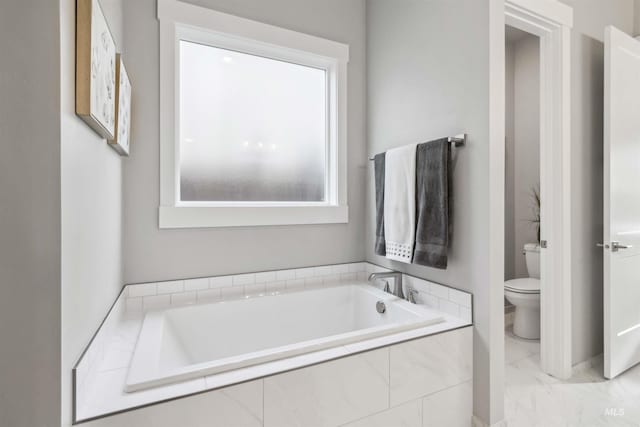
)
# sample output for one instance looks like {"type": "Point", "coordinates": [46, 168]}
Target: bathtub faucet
{"type": "Point", "coordinates": [397, 281]}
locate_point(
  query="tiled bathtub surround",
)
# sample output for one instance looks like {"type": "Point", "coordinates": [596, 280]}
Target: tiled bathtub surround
{"type": "Point", "coordinates": [153, 296]}
{"type": "Point", "coordinates": [366, 389]}
{"type": "Point", "coordinates": [101, 372]}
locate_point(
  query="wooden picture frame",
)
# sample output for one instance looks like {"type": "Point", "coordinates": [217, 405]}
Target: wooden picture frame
{"type": "Point", "coordinates": [95, 68]}
{"type": "Point", "coordinates": [122, 131]}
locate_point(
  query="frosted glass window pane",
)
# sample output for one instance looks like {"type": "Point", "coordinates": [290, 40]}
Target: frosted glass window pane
{"type": "Point", "coordinates": [251, 128]}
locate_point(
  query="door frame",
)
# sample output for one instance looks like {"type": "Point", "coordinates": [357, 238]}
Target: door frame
{"type": "Point", "coordinates": [551, 21]}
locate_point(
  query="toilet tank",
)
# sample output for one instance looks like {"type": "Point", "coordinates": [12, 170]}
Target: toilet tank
{"type": "Point", "coordinates": [532, 257]}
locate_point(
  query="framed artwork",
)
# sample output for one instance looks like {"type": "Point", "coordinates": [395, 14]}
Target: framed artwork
{"type": "Point", "coordinates": [120, 141]}
{"type": "Point", "coordinates": [95, 69]}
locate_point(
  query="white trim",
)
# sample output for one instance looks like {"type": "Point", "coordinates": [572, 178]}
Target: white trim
{"type": "Point", "coordinates": [195, 217]}
{"type": "Point", "coordinates": [491, 382]}
{"type": "Point", "coordinates": [183, 21]}
{"type": "Point", "coordinates": [552, 21]}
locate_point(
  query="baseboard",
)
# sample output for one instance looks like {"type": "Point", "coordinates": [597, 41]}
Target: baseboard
{"type": "Point", "coordinates": [477, 422]}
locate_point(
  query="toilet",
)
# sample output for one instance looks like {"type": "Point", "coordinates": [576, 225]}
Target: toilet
{"type": "Point", "coordinates": [524, 294]}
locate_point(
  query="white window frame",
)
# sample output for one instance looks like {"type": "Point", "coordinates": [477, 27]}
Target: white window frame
{"type": "Point", "coordinates": [183, 21]}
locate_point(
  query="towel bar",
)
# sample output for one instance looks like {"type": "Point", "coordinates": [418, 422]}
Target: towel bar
{"type": "Point", "coordinates": [457, 141]}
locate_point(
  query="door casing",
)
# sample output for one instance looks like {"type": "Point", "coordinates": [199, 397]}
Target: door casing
{"type": "Point", "coordinates": [552, 21]}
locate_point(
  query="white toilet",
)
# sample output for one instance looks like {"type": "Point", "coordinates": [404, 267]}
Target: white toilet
{"type": "Point", "coordinates": [524, 294]}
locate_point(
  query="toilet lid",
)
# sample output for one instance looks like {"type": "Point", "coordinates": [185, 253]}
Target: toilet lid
{"type": "Point", "coordinates": [528, 285]}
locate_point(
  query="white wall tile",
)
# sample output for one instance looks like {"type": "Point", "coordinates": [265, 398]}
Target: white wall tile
{"type": "Point", "coordinates": [340, 269]}
{"type": "Point", "coordinates": [324, 270]}
{"type": "Point", "coordinates": [328, 394]}
{"type": "Point", "coordinates": [303, 273]}
{"type": "Point", "coordinates": [406, 415]}
{"type": "Point", "coordinates": [220, 282]}
{"type": "Point", "coordinates": [362, 276]}
{"type": "Point", "coordinates": [208, 295]}
{"type": "Point", "coordinates": [439, 291]}
{"type": "Point", "coordinates": [142, 290]}
{"type": "Point", "coordinates": [133, 305]}
{"type": "Point", "coordinates": [254, 289]}
{"type": "Point", "coordinates": [183, 298]}
{"type": "Point", "coordinates": [170, 287]}
{"type": "Point", "coordinates": [418, 284]}
{"type": "Point", "coordinates": [461, 298]}
{"type": "Point", "coordinates": [233, 292]}
{"type": "Point", "coordinates": [236, 406]}
{"type": "Point", "coordinates": [196, 284]}
{"type": "Point", "coordinates": [295, 284]}
{"type": "Point", "coordinates": [243, 279]}
{"type": "Point", "coordinates": [427, 365]}
{"type": "Point", "coordinates": [428, 300]}
{"type": "Point", "coordinates": [449, 307]}
{"type": "Point", "coordinates": [348, 277]}
{"type": "Point", "coordinates": [452, 407]}
{"type": "Point", "coordinates": [465, 314]}
{"type": "Point", "coordinates": [275, 286]}
{"type": "Point", "coordinates": [313, 282]}
{"type": "Point", "coordinates": [356, 267]}
{"type": "Point", "coordinates": [331, 280]}
{"type": "Point", "coordinates": [267, 276]}
{"type": "Point", "coordinates": [285, 274]}
{"type": "Point", "coordinates": [155, 302]}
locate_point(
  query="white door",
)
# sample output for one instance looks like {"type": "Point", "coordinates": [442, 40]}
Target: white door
{"type": "Point", "coordinates": [621, 202]}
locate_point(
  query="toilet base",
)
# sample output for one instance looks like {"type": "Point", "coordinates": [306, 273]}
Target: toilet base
{"type": "Point", "coordinates": [526, 323]}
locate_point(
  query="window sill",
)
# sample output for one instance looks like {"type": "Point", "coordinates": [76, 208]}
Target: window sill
{"type": "Point", "coordinates": [211, 217]}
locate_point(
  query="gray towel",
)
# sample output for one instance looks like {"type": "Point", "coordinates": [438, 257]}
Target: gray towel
{"type": "Point", "coordinates": [433, 191]}
{"type": "Point", "coordinates": [379, 162]}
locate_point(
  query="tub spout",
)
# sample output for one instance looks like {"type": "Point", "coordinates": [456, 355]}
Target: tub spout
{"type": "Point", "coordinates": [397, 281]}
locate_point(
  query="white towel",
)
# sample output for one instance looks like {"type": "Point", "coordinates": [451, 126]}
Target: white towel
{"type": "Point", "coordinates": [400, 203]}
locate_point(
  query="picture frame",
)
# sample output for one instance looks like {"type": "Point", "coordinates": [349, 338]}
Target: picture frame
{"type": "Point", "coordinates": [95, 68]}
{"type": "Point", "coordinates": [122, 131]}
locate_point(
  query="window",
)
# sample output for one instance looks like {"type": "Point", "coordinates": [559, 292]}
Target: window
{"type": "Point", "coordinates": [253, 122]}
{"type": "Point", "coordinates": [252, 129]}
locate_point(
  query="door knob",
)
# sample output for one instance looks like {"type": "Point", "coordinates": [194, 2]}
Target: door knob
{"type": "Point", "coordinates": [616, 245]}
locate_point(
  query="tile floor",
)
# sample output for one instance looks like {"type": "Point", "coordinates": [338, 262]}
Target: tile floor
{"type": "Point", "coordinates": [587, 399]}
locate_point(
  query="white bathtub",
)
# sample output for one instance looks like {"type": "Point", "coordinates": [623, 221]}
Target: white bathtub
{"type": "Point", "coordinates": [194, 341]}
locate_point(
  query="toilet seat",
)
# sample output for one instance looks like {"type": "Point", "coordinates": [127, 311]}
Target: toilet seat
{"type": "Point", "coordinates": [527, 285]}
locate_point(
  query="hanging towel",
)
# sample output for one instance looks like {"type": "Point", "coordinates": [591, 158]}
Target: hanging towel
{"type": "Point", "coordinates": [433, 195]}
{"type": "Point", "coordinates": [400, 203]}
{"type": "Point", "coordinates": [378, 165]}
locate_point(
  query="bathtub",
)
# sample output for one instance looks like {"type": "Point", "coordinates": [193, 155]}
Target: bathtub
{"type": "Point", "coordinates": [189, 342]}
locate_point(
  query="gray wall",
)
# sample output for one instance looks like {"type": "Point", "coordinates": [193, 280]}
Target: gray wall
{"type": "Point", "coordinates": [428, 79]}
{"type": "Point", "coordinates": [522, 149]}
{"type": "Point", "coordinates": [509, 164]}
{"type": "Point", "coordinates": [587, 73]}
{"type": "Point", "coordinates": [153, 254]}
{"type": "Point", "coordinates": [91, 210]}
{"type": "Point", "coordinates": [29, 214]}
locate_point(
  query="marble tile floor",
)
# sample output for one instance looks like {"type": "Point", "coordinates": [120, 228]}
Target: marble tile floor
{"type": "Point", "coordinates": [533, 398]}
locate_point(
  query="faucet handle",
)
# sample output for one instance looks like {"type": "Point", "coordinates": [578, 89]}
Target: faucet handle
{"type": "Point", "coordinates": [412, 296]}
{"type": "Point", "coordinates": [386, 286]}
